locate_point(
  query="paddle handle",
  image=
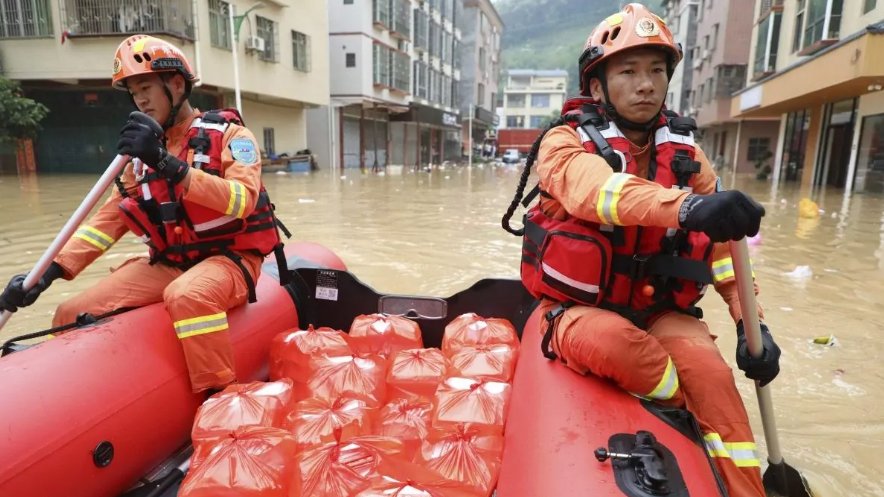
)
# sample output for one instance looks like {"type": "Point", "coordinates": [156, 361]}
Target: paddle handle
{"type": "Point", "coordinates": [92, 198]}
{"type": "Point", "coordinates": [752, 327]}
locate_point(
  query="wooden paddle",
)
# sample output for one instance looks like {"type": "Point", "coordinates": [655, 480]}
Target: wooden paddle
{"type": "Point", "coordinates": [92, 198]}
{"type": "Point", "coordinates": [779, 478]}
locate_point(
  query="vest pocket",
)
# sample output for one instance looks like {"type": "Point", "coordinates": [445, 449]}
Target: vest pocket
{"type": "Point", "coordinates": [576, 264]}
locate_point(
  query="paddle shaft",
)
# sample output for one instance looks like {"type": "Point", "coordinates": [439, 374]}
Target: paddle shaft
{"type": "Point", "coordinates": [752, 327]}
{"type": "Point", "coordinates": [92, 198]}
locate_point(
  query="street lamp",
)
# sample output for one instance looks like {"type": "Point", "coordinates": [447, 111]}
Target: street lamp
{"type": "Point", "coordinates": [235, 24]}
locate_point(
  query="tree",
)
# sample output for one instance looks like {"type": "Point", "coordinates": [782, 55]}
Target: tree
{"type": "Point", "coordinates": [19, 116]}
{"type": "Point", "coordinates": [550, 118]}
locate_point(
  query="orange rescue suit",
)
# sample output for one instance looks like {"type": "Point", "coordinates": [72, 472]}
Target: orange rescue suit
{"type": "Point", "coordinates": [196, 297]}
{"type": "Point", "coordinates": [672, 357]}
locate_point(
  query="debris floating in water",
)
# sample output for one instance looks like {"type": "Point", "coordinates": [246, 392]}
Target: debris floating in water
{"type": "Point", "coordinates": [829, 340]}
{"type": "Point", "coordinates": [800, 273]}
{"type": "Point", "coordinates": [306, 200]}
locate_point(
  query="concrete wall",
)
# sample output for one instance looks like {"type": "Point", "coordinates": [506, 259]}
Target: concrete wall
{"type": "Point", "coordinates": [350, 80]}
{"type": "Point", "coordinates": [288, 123]}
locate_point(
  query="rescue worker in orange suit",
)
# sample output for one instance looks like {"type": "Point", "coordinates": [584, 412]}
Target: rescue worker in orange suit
{"type": "Point", "coordinates": [644, 219]}
{"type": "Point", "coordinates": [193, 192]}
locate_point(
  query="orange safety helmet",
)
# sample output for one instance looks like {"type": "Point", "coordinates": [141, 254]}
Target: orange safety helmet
{"type": "Point", "coordinates": [633, 27]}
{"type": "Point", "coordinates": [142, 54]}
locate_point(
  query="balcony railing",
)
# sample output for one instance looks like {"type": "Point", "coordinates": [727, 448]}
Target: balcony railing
{"type": "Point", "coordinates": [116, 17]}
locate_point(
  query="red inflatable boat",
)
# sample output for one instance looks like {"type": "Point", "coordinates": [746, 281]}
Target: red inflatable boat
{"type": "Point", "coordinates": [99, 411]}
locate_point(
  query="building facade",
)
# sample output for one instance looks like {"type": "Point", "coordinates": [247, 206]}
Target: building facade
{"type": "Point", "coordinates": [532, 97]}
{"type": "Point", "coordinates": [714, 68]}
{"type": "Point", "coordinates": [480, 58]}
{"type": "Point", "coordinates": [681, 16]}
{"type": "Point", "coordinates": [394, 83]}
{"type": "Point", "coordinates": [817, 67]}
{"type": "Point", "coordinates": [62, 53]}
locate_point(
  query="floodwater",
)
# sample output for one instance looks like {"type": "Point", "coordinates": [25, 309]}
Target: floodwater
{"type": "Point", "coordinates": [434, 233]}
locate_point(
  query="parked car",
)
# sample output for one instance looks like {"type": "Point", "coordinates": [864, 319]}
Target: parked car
{"type": "Point", "coordinates": [510, 156]}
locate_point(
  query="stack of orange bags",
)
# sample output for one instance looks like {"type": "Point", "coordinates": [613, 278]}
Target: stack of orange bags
{"type": "Point", "coordinates": [365, 414]}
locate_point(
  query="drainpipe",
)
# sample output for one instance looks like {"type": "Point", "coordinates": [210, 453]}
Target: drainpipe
{"type": "Point", "coordinates": [196, 43]}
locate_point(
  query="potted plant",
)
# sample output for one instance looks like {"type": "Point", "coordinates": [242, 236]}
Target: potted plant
{"type": "Point", "coordinates": [762, 165]}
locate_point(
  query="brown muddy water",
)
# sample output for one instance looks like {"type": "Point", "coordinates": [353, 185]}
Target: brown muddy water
{"type": "Point", "coordinates": [434, 233]}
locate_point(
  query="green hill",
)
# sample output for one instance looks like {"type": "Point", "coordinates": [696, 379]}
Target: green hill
{"type": "Point", "coordinates": [549, 34]}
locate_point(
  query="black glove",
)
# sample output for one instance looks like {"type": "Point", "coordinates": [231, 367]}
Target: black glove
{"type": "Point", "coordinates": [764, 369]}
{"type": "Point", "coordinates": [723, 216]}
{"type": "Point", "coordinates": [15, 296]}
{"type": "Point", "coordinates": [142, 137]}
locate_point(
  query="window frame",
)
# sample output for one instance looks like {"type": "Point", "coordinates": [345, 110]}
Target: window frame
{"type": "Point", "coordinates": [304, 47]}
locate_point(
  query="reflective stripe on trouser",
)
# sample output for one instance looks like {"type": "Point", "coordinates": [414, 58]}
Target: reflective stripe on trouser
{"type": "Point", "coordinates": [707, 383]}
{"type": "Point", "coordinates": [589, 339]}
{"type": "Point", "coordinates": [209, 288]}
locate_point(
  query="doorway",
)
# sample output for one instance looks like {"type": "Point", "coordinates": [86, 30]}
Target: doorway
{"type": "Point", "coordinates": [840, 118]}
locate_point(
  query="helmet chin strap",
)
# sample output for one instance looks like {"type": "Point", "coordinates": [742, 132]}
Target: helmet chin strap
{"type": "Point", "coordinates": [621, 121]}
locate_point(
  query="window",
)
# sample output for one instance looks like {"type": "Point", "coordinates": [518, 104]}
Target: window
{"type": "Point", "coordinates": [219, 24]}
{"type": "Point", "coordinates": [540, 100]}
{"type": "Point", "coordinates": [481, 59]}
{"type": "Point", "coordinates": [381, 12]}
{"type": "Point", "coordinates": [493, 101]}
{"type": "Point", "coordinates": [269, 142]}
{"type": "Point", "coordinates": [714, 39]}
{"type": "Point", "coordinates": [401, 71]}
{"type": "Point", "coordinates": [515, 121]}
{"type": "Point", "coordinates": [301, 51]}
{"type": "Point", "coordinates": [402, 17]}
{"type": "Point", "coordinates": [421, 26]}
{"type": "Point", "coordinates": [537, 121]}
{"type": "Point", "coordinates": [870, 163]}
{"type": "Point", "coordinates": [758, 148]}
{"type": "Point", "coordinates": [267, 30]}
{"type": "Point", "coordinates": [381, 64]}
{"type": "Point", "coordinates": [515, 100]}
{"type": "Point", "coordinates": [348, 2]}
{"type": "Point", "coordinates": [350, 60]}
{"type": "Point", "coordinates": [868, 6]}
{"type": "Point", "coordinates": [821, 21]}
{"type": "Point", "coordinates": [25, 19]}
{"type": "Point", "coordinates": [104, 17]}
{"type": "Point", "coordinates": [420, 79]}
{"type": "Point", "coordinates": [799, 24]}
{"type": "Point", "coordinates": [766, 46]}
{"type": "Point", "coordinates": [480, 95]}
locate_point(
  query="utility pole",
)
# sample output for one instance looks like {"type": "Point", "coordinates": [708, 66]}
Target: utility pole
{"type": "Point", "coordinates": [470, 130]}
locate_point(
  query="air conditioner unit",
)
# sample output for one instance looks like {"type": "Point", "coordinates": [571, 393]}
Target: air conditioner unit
{"type": "Point", "coordinates": [255, 43]}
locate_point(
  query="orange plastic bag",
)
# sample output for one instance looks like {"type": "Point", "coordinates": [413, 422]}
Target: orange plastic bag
{"type": "Point", "coordinates": [252, 461]}
{"type": "Point", "coordinates": [384, 335]}
{"type": "Point", "coordinates": [343, 468]}
{"type": "Point", "coordinates": [407, 420]}
{"type": "Point", "coordinates": [359, 377]}
{"type": "Point", "coordinates": [466, 454]}
{"type": "Point", "coordinates": [463, 400]}
{"type": "Point", "coordinates": [484, 362]}
{"type": "Point", "coordinates": [410, 480]}
{"type": "Point", "coordinates": [416, 371]}
{"type": "Point", "coordinates": [290, 354]}
{"type": "Point", "coordinates": [470, 330]}
{"type": "Point", "coordinates": [314, 421]}
{"type": "Point", "coordinates": [244, 404]}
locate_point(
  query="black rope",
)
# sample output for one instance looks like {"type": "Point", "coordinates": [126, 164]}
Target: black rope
{"type": "Point", "coordinates": [57, 329]}
{"type": "Point", "coordinates": [523, 180]}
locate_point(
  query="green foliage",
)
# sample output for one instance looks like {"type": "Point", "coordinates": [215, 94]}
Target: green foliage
{"type": "Point", "coordinates": [550, 34]}
{"type": "Point", "coordinates": [19, 116]}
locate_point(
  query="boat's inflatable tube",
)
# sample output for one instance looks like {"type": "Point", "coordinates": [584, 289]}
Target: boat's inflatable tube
{"type": "Point", "coordinates": [557, 419]}
{"type": "Point", "coordinates": [90, 412]}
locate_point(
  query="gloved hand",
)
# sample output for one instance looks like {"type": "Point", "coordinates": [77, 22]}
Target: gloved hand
{"type": "Point", "coordinates": [764, 369]}
{"type": "Point", "coordinates": [723, 216]}
{"type": "Point", "coordinates": [15, 296]}
{"type": "Point", "coordinates": [141, 137]}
